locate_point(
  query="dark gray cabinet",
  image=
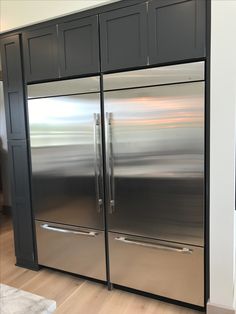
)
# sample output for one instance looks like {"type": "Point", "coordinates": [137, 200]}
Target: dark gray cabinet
{"type": "Point", "coordinates": [13, 87]}
{"type": "Point", "coordinates": [124, 38]}
{"type": "Point", "coordinates": [21, 208]}
{"type": "Point", "coordinates": [79, 47]}
{"type": "Point", "coordinates": [176, 30]}
{"type": "Point", "coordinates": [41, 54]}
{"type": "Point", "coordinates": [17, 150]}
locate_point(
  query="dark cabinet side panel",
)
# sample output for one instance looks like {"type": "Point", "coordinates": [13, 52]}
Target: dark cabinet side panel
{"type": "Point", "coordinates": [79, 47]}
{"type": "Point", "coordinates": [124, 38]}
{"type": "Point", "coordinates": [41, 54]}
{"type": "Point", "coordinates": [21, 205]}
{"type": "Point", "coordinates": [176, 30]}
{"type": "Point", "coordinates": [13, 87]}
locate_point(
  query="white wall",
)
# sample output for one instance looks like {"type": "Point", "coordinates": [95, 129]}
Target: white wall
{"type": "Point", "coordinates": [17, 13]}
{"type": "Point", "coordinates": [222, 190]}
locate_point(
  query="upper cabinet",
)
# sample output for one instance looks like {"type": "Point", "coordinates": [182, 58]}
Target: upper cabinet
{"type": "Point", "coordinates": [149, 33]}
{"type": "Point", "coordinates": [13, 87]}
{"type": "Point", "coordinates": [124, 38]}
{"type": "Point", "coordinates": [41, 54]}
{"type": "Point", "coordinates": [79, 47]}
{"type": "Point", "coordinates": [176, 30]}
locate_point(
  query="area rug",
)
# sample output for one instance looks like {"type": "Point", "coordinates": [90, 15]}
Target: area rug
{"type": "Point", "coordinates": [15, 301]}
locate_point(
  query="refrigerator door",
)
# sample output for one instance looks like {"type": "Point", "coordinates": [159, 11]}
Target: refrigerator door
{"type": "Point", "coordinates": [155, 161]}
{"type": "Point", "coordinates": [65, 137]}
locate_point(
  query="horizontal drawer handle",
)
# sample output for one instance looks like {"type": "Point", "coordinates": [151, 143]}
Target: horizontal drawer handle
{"type": "Point", "coordinates": [58, 229]}
{"type": "Point", "coordinates": [183, 250]}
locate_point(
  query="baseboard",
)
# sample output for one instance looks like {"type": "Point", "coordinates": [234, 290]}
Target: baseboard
{"type": "Point", "coordinates": [219, 309]}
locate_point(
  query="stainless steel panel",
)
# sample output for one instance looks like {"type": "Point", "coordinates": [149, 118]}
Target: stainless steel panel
{"type": "Point", "coordinates": [155, 76]}
{"type": "Point", "coordinates": [167, 269]}
{"type": "Point", "coordinates": [67, 173]}
{"type": "Point", "coordinates": [65, 87]}
{"type": "Point", "coordinates": [76, 250]}
{"type": "Point", "coordinates": [156, 162]}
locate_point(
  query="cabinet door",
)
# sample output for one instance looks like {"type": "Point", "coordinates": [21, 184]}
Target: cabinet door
{"type": "Point", "coordinates": [41, 54]}
{"type": "Point", "coordinates": [21, 206]}
{"type": "Point", "coordinates": [79, 47]}
{"type": "Point", "coordinates": [13, 87]}
{"type": "Point", "coordinates": [176, 30]}
{"type": "Point", "coordinates": [124, 38]}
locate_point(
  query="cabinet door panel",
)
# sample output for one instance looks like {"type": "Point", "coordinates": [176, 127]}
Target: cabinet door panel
{"type": "Point", "coordinates": [41, 54]}
{"type": "Point", "coordinates": [13, 87]}
{"type": "Point", "coordinates": [79, 47]}
{"type": "Point", "coordinates": [124, 38]}
{"type": "Point", "coordinates": [21, 207]}
{"type": "Point", "coordinates": [176, 30]}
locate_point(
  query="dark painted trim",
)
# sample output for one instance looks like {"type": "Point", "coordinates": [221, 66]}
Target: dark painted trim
{"type": "Point", "coordinates": [105, 209]}
{"type": "Point", "coordinates": [25, 264]}
{"type": "Point", "coordinates": [160, 298]}
{"type": "Point", "coordinates": [207, 153]}
{"type": "Point", "coordinates": [29, 156]}
{"type": "Point", "coordinates": [75, 16]}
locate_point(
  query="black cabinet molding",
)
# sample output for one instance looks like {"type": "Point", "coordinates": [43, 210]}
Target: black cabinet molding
{"type": "Point", "coordinates": [21, 204]}
{"type": "Point", "coordinates": [124, 38]}
{"type": "Point", "coordinates": [41, 54]}
{"type": "Point", "coordinates": [13, 87]}
{"type": "Point", "coordinates": [176, 30]}
{"type": "Point", "coordinates": [79, 47]}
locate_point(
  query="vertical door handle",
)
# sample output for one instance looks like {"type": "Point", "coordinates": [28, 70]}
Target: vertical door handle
{"type": "Point", "coordinates": [98, 160]}
{"type": "Point", "coordinates": [110, 163]}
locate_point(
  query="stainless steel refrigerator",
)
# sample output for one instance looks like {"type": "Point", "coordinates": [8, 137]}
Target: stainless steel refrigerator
{"type": "Point", "coordinates": [153, 149]}
{"type": "Point", "coordinates": [65, 137]}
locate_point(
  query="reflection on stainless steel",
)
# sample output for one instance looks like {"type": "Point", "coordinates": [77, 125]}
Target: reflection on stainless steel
{"type": "Point", "coordinates": [152, 245]}
{"type": "Point", "coordinates": [110, 162]}
{"type": "Point", "coordinates": [81, 251]}
{"type": "Point", "coordinates": [155, 76]}
{"type": "Point", "coordinates": [158, 161]}
{"type": "Point", "coordinates": [62, 152]}
{"type": "Point", "coordinates": [165, 272]}
{"type": "Point", "coordinates": [68, 230]}
{"type": "Point", "coordinates": [66, 87]}
{"type": "Point", "coordinates": [98, 160]}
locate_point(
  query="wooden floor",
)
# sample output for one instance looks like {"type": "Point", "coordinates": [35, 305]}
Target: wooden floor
{"type": "Point", "coordinates": [72, 294]}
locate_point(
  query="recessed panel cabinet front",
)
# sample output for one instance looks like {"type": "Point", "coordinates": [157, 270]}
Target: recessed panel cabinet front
{"type": "Point", "coordinates": [21, 205]}
{"type": "Point", "coordinates": [41, 54]}
{"type": "Point", "coordinates": [13, 87]}
{"type": "Point", "coordinates": [176, 30]}
{"type": "Point", "coordinates": [124, 38]}
{"type": "Point", "coordinates": [79, 47]}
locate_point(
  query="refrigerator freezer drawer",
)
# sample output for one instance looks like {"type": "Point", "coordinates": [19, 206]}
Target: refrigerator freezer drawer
{"type": "Point", "coordinates": [163, 268]}
{"type": "Point", "coordinates": [73, 249]}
